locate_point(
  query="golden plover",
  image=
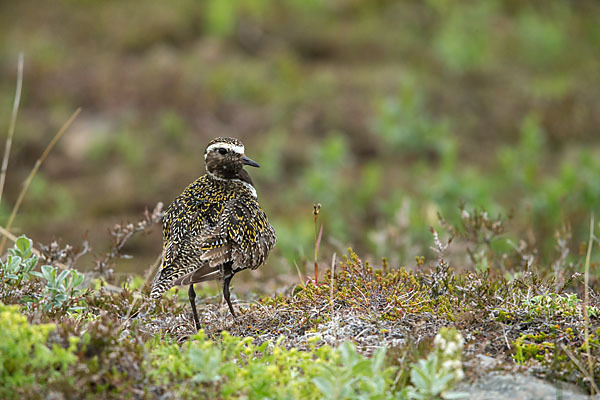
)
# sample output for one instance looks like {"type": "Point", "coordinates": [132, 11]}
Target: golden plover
{"type": "Point", "coordinates": [216, 227]}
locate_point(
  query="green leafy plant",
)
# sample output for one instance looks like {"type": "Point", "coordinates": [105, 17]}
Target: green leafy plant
{"type": "Point", "coordinates": [26, 362]}
{"type": "Point", "coordinates": [62, 290]}
{"type": "Point", "coordinates": [235, 367]}
{"type": "Point", "coordinates": [20, 261]}
{"type": "Point", "coordinates": [551, 304]}
{"type": "Point", "coordinates": [434, 377]}
{"type": "Point", "coordinates": [405, 125]}
{"type": "Point", "coordinates": [460, 45]}
{"type": "Point", "coordinates": [354, 375]}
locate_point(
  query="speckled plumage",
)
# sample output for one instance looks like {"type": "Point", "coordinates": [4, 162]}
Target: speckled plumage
{"type": "Point", "coordinates": [216, 227]}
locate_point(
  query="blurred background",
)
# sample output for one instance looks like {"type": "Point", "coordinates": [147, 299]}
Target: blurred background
{"type": "Point", "coordinates": [384, 112]}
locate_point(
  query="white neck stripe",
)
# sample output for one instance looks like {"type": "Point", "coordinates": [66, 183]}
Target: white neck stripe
{"type": "Point", "coordinates": [246, 184]}
{"type": "Point", "coordinates": [214, 176]}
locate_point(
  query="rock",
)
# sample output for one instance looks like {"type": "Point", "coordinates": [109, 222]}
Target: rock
{"type": "Point", "coordinates": [495, 386]}
{"type": "Point", "coordinates": [486, 362]}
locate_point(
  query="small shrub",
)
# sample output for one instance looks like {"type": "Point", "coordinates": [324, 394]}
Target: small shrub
{"type": "Point", "coordinates": [20, 261]}
{"type": "Point", "coordinates": [26, 361]}
{"type": "Point", "coordinates": [63, 290]}
{"type": "Point", "coordinates": [235, 367]}
{"type": "Point", "coordinates": [435, 376]}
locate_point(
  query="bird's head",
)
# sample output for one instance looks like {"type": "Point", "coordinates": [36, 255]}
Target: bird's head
{"type": "Point", "coordinates": [225, 159]}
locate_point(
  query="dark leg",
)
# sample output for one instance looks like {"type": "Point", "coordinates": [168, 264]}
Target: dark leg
{"type": "Point", "coordinates": [192, 296]}
{"type": "Point", "coordinates": [226, 281]}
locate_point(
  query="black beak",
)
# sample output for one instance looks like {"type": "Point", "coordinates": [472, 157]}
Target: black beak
{"type": "Point", "coordinates": [247, 161]}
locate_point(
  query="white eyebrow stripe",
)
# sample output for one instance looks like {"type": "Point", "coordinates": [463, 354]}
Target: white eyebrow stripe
{"type": "Point", "coordinates": [229, 146]}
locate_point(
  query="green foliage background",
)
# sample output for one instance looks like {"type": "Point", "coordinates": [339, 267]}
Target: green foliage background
{"type": "Point", "coordinates": [385, 112]}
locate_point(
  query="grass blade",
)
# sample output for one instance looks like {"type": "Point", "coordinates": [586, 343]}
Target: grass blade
{"type": "Point", "coordinates": [13, 121]}
{"type": "Point", "coordinates": [586, 302]}
{"type": "Point", "coordinates": [34, 171]}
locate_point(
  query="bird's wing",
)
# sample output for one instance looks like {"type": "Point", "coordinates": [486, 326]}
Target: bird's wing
{"type": "Point", "coordinates": [174, 220]}
{"type": "Point", "coordinates": [178, 250]}
{"type": "Point", "coordinates": [247, 230]}
{"type": "Point", "coordinates": [206, 248]}
{"type": "Point", "coordinates": [241, 234]}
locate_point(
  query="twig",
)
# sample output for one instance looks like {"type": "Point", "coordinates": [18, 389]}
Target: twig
{"type": "Point", "coordinates": [128, 315]}
{"type": "Point", "coordinates": [586, 302]}
{"type": "Point", "coordinates": [332, 283]}
{"type": "Point", "coordinates": [150, 272]}
{"type": "Point", "coordinates": [13, 121]}
{"type": "Point", "coordinates": [506, 338]}
{"type": "Point", "coordinates": [581, 368]}
{"type": "Point", "coordinates": [35, 169]}
{"type": "Point", "coordinates": [316, 209]}
{"type": "Point", "coordinates": [120, 234]}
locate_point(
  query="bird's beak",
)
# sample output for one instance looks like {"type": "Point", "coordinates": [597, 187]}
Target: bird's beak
{"type": "Point", "coordinates": [247, 161]}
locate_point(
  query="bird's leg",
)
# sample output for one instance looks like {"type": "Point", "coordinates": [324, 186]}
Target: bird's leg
{"type": "Point", "coordinates": [192, 296]}
{"type": "Point", "coordinates": [226, 281]}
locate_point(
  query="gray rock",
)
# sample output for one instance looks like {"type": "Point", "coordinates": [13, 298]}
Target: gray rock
{"type": "Point", "coordinates": [495, 386]}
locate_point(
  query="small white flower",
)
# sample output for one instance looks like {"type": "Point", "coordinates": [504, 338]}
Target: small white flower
{"type": "Point", "coordinates": [439, 342]}
{"type": "Point", "coordinates": [460, 340]}
{"type": "Point", "coordinates": [449, 365]}
{"type": "Point", "coordinates": [451, 348]}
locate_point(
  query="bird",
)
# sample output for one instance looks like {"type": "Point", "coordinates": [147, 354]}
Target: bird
{"type": "Point", "coordinates": [216, 227]}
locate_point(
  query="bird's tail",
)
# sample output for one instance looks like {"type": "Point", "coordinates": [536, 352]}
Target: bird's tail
{"type": "Point", "coordinates": [163, 281]}
{"type": "Point", "coordinates": [202, 274]}
{"type": "Point", "coordinates": [170, 275]}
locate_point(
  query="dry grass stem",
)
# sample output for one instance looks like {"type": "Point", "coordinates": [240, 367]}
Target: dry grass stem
{"type": "Point", "coordinates": [299, 273]}
{"type": "Point", "coordinates": [34, 171]}
{"type": "Point", "coordinates": [586, 373]}
{"type": "Point", "coordinates": [332, 282]}
{"type": "Point", "coordinates": [316, 209]}
{"type": "Point", "coordinates": [586, 302]}
{"type": "Point", "coordinates": [150, 272]}
{"type": "Point", "coordinates": [13, 121]}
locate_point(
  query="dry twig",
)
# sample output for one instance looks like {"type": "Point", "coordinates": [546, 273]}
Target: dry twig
{"type": "Point", "coordinates": [120, 234]}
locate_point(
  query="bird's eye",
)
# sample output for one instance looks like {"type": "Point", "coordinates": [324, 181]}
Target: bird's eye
{"type": "Point", "coordinates": [222, 151]}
